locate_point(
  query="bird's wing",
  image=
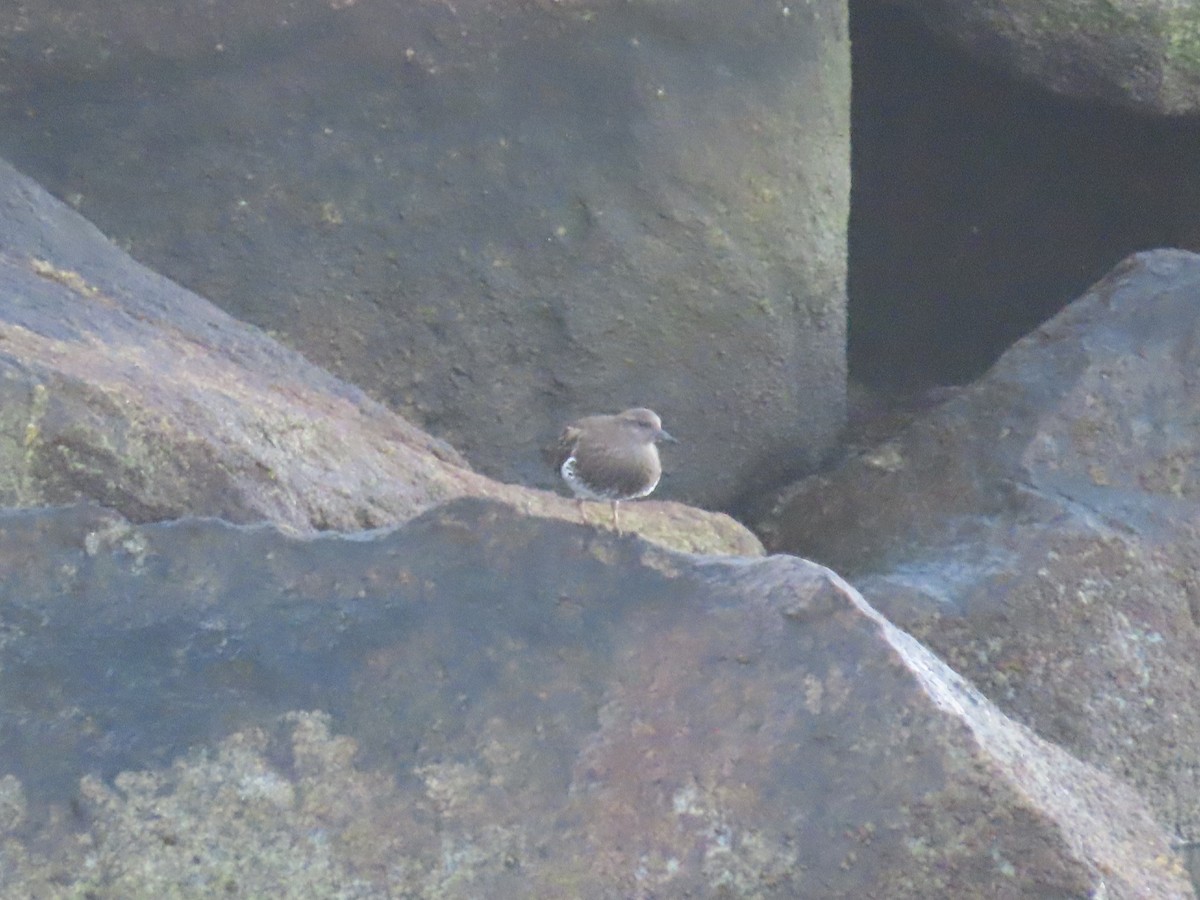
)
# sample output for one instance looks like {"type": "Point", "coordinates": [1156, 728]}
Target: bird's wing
{"type": "Point", "coordinates": [563, 448]}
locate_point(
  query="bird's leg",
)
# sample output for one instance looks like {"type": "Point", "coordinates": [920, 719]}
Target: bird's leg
{"type": "Point", "coordinates": [616, 521]}
{"type": "Point", "coordinates": [582, 518]}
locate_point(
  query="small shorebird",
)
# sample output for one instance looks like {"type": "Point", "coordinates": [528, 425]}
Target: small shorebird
{"type": "Point", "coordinates": [611, 458]}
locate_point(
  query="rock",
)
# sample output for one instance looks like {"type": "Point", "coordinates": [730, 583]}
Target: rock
{"type": "Point", "coordinates": [1039, 530]}
{"type": "Point", "coordinates": [1140, 54]}
{"type": "Point", "coordinates": [495, 217]}
{"type": "Point", "coordinates": [482, 703]}
{"type": "Point", "coordinates": [119, 386]}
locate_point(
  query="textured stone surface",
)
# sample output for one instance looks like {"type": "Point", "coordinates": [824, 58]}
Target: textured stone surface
{"type": "Point", "coordinates": [119, 386]}
{"type": "Point", "coordinates": [1143, 54]}
{"type": "Point", "coordinates": [1040, 530]}
{"type": "Point", "coordinates": [497, 705]}
{"type": "Point", "coordinates": [494, 216]}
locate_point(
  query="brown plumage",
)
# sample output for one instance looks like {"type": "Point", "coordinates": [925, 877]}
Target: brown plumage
{"type": "Point", "coordinates": [611, 458]}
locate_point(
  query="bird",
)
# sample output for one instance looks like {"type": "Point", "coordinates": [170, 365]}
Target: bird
{"type": "Point", "coordinates": [611, 457]}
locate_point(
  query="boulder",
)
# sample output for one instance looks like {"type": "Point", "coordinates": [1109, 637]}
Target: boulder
{"type": "Point", "coordinates": [121, 387]}
{"type": "Point", "coordinates": [487, 703]}
{"type": "Point", "coordinates": [1039, 530]}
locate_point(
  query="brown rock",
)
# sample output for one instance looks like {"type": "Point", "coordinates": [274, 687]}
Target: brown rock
{"type": "Point", "coordinates": [123, 388]}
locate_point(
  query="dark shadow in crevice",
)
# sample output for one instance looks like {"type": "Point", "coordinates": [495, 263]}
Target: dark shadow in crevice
{"type": "Point", "coordinates": [982, 205]}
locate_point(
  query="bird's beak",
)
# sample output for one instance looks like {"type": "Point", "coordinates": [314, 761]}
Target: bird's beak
{"type": "Point", "coordinates": [663, 436]}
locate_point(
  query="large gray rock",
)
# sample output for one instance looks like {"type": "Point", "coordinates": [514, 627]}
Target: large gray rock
{"type": "Point", "coordinates": [1143, 54]}
{"type": "Point", "coordinates": [492, 216]}
{"type": "Point", "coordinates": [485, 703]}
{"type": "Point", "coordinates": [1039, 531]}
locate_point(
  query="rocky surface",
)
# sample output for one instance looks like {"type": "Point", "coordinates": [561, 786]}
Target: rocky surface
{"type": "Point", "coordinates": [492, 699]}
{"type": "Point", "coordinates": [493, 216]}
{"type": "Point", "coordinates": [1039, 530]}
{"type": "Point", "coordinates": [1143, 54]}
{"type": "Point", "coordinates": [119, 387]}
{"type": "Point", "coordinates": [122, 387]}
{"type": "Point", "coordinates": [484, 703]}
